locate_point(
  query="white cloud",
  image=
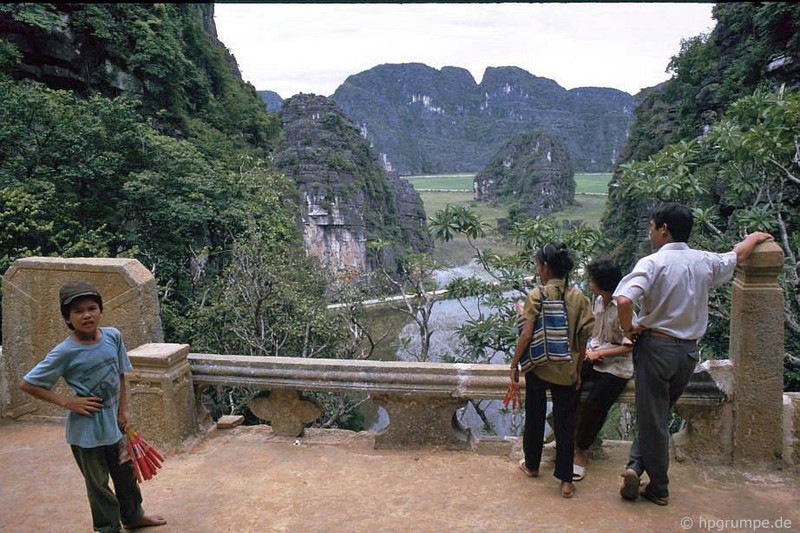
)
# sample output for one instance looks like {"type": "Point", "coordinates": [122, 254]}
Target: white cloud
{"type": "Point", "coordinates": [312, 48]}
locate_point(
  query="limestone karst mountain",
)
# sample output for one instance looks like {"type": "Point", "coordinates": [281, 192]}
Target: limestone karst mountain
{"type": "Point", "coordinates": [349, 198]}
{"type": "Point", "coordinates": [532, 169]}
{"type": "Point", "coordinates": [427, 121]}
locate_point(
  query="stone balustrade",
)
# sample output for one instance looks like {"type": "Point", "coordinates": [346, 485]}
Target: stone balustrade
{"type": "Point", "coordinates": [734, 409]}
{"type": "Point", "coordinates": [421, 399]}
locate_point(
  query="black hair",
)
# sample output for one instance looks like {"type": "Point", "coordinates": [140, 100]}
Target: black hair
{"type": "Point", "coordinates": [605, 273]}
{"type": "Point", "coordinates": [557, 257]}
{"type": "Point", "coordinates": [677, 217]}
{"type": "Point", "coordinates": [65, 309]}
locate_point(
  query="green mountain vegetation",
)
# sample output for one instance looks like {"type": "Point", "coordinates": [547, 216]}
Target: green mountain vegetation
{"type": "Point", "coordinates": [345, 187]}
{"type": "Point", "coordinates": [532, 172]}
{"type": "Point", "coordinates": [126, 131]}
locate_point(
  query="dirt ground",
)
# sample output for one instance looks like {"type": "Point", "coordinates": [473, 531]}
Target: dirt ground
{"type": "Point", "coordinates": [246, 479]}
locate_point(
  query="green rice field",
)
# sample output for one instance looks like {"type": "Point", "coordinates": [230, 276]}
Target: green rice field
{"type": "Point", "coordinates": [592, 183]}
{"type": "Point", "coordinates": [585, 183]}
{"type": "Point", "coordinates": [447, 181]}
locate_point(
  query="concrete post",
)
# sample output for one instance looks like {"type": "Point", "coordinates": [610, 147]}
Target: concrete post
{"type": "Point", "coordinates": [161, 395]}
{"type": "Point", "coordinates": [32, 322]}
{"type": "Point", "coordinates": [757, 352]}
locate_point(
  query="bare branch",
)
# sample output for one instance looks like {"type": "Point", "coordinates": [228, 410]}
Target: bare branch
{"type": "Point", "coordinates": [791, 177]}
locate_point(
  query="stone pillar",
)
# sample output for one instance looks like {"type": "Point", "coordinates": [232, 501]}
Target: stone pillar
{"type": "Point", "coordinates": [757, 352]}
{"type": "Point", "coordinates": [161, 394]}
{"type": "Point", "coordinates": [32, 322]}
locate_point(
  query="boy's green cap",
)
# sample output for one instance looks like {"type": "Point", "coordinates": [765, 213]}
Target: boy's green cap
{"type": "Point", "coordinates": [76, 289]}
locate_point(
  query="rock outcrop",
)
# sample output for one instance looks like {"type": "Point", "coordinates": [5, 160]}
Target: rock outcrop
{"type": "Point", "coordinates": [60, 46]}
{"type": "Point", "coordinates": [427, 121]}
{"type": "Point", "coordinates": [349, 199]}
{"type": "Point", "coordinates": [533, 169]}
{"type": "Point", "coordinates": [273, 100]}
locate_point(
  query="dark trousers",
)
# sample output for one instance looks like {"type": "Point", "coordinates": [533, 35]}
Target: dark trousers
{"type": "Point", "coordinates": [564, 397]}
{"type": "Point", "coordinates": [108, 508]}
{"type": "Point", "coordinates": [662, 370]}
{"type": "Point", "coordinates": [591, 414]}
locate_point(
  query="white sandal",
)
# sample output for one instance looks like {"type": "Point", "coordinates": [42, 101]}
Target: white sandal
{"type": "Point", "coordinates": [577, 472]}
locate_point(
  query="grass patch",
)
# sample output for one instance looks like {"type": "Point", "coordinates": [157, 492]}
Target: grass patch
{"type": "Point", "coordinates": [586, 183]}
{"type": "Point", "coordinates": [458, 252]}
{"type": "Point", "coordinates": [589, 209]}
{"type": "Point", "coordinates": [461, 182]}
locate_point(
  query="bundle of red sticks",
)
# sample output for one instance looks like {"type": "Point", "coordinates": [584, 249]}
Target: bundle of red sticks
{"type": "Point", "coordinates": [146, 459]}
{"type": "Point", "coordinates": [512, 397]}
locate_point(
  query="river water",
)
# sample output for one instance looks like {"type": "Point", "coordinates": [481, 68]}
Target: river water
{"type": "Point", "coordinates": [446, 317]}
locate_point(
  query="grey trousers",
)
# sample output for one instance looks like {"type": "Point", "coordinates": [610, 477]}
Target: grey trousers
{"type": "Point", "coordinates": [108, 508]}
{"type": "Point", "coordinates": [662, 368]}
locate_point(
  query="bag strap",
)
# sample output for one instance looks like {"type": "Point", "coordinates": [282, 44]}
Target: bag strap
{"type": "Point", "coordinates": [541, 314]}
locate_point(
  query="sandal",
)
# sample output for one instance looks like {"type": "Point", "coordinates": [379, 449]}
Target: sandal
{"type": "Point", "coordinates": [569, 491]}
{"type": "Point", "coordinates": [658, 500]}
{"type": "Point", "coordinates": [528, 472]}
{"type": "Point", "coordinates": [578, 472]}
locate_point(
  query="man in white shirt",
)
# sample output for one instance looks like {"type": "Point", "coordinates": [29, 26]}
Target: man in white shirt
{"type": "Point", "coordinates": [671, 289]}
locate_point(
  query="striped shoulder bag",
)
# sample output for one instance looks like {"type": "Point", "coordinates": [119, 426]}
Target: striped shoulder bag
{"type": "Point", "coordinates": [550, 341]}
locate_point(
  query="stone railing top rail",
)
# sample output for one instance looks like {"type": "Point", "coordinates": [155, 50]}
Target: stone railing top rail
{"type": "Point", "coordinates": [338, 375]}
{"type": "Point", "coordinates": [453, 380]}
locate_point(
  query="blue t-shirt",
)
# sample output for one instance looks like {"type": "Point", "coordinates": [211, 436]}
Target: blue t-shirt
{"type": "Point", "coordinates": [91, 370]}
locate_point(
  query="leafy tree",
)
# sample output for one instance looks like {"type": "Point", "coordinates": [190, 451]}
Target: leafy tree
{"type": "Point", "coordinates": [414, 283]}
{"type": "Point", "coordinates": [490, 301]}
{"type": "Point", "coordinates": [742, 176]}
{"type": "Point", "coordinates": [350, 291]}
{"type": "Point", "coordinates": [270, 298]}
{"type": "Point", "coordinates": [709, 73]}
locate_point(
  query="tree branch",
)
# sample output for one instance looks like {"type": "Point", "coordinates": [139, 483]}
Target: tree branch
{"type": "Point", "coordinates": [791, 177]}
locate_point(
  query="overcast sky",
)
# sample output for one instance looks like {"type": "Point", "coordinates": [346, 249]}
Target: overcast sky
{"type": "Point", "coordinates": [312, 48]}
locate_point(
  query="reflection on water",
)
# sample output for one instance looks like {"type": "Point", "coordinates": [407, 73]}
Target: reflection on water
{"type": "Point", "coordinates": [506, 423]}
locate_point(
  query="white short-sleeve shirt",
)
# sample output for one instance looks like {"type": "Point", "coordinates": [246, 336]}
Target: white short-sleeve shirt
{"type": "Point", "coordinates": [671, 287]}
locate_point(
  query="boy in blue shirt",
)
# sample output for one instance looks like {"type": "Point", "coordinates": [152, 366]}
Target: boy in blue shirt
{"type": "Point", "coordinates": [92, 361]}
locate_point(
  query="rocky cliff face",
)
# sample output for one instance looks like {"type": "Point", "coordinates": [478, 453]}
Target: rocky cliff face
{"type": "Point", "coordinates": [422, 120]}
{"type": "Point", "coordinates": [73, 47]}
{"type": "Point", "coordinates": [531, 168]}
{"type": "Point", "coordinates": [349, 199]}
{"type": "Point", "coordinates": [272, 100]}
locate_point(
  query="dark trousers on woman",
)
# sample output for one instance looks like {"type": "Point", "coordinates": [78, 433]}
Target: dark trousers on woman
{"type": "Point", "coordinates": [592, 413]}
{"type": "Point", "coordinates": [108, 508]}
{"type": "Point", "coordinates": [563, 419]}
